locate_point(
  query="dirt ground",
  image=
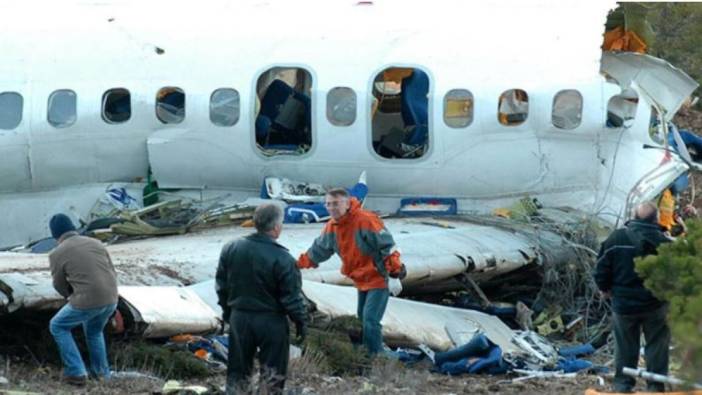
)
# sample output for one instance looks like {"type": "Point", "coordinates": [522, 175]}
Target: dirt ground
{"type": "Point", "coordinates": [387, 377]}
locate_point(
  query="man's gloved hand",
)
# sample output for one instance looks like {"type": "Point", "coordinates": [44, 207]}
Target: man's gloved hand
{"type": "Point", "coordinates": [400, 274]}
{"type": "Point", "coordinates": [394, 286]}
{"type": "Point", "coordinates": [300, 332]}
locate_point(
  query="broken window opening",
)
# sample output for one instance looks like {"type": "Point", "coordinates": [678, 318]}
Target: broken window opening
{"type": "Point", "coordinates": [61, 110]}
{"type": "Point", "coordinates": [567, 112]}
{"type": "Point", "coordinates": [224, 107]}
{"type": "Point", "coordinates": [458, 108]}
{"type": "Point", "coordinates": [400, 113]}
{"type": "Point", "coordinates": [513, 107]}
{"type": "Point", "coordinates": [341, 106]}
{"type": "Point", "coordinates": [11, 104]}
{"type": "Point", "coordinates": [170, 105]}
{"type": "Point", "coordinates": [655, 127]}
{"type": "Point", "coordinates": [116, 106]}
{"type": "Point", "coordinates": [621, 109]}
{"type": "Point", "coordinates": [284, 111]}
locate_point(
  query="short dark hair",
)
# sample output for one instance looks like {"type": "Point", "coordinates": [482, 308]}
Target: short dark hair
{"type": "Point", "coordinates": [338, 192]}
{"type": "Point", "coordinates": [267, 216]}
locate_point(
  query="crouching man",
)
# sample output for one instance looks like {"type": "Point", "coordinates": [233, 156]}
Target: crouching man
{"type": "Point", "coordinates": [257, 285]}
{"type": "Point", "coordinates": [82, 272]}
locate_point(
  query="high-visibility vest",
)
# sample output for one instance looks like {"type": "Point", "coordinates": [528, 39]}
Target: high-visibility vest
{"type": "Point", "coordinates": [666, 210]}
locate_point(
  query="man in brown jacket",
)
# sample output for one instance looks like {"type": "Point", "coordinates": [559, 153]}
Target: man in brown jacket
{"type": "Point", "coordinates": [82, 272]}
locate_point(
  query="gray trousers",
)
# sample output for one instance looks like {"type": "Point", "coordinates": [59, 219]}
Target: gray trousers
{"type": "Point", "coordinates": [627, 341]}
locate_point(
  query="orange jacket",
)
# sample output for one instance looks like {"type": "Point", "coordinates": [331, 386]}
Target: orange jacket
{"type": "Point", "coordinates": [367, 250]}
{"type": "Point", "coordinates": [666, 210]}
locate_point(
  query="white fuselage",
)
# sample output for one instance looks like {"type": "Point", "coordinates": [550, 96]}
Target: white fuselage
{"type": "Point", "coordinates": [541, 48]}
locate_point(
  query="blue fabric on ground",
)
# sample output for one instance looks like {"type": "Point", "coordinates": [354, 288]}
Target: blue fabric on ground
{"type": "Point", "coordinates": [479, 355]}
{"type": "Point", "coordinates": [223, 340]}
{"type": "Point", "coordinates": [489, 361]}
{"type": "Point", "coordinates": [409, 357]}
{"type": "Point", "coordinates": [207, 345]}
{"type": "Point", "coordinates": [572, 365]}
{"type": "Point", "coordinates": [478, 345]}
{"type": "Point", "coordinates": [576, 351]}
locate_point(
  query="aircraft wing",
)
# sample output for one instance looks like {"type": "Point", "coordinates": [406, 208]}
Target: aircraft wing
{"type": "Point", "coordinates": [437, 254]}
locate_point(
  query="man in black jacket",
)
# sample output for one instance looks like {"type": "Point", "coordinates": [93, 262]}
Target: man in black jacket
{"type": "Point", "coordinates": [634, 308]}
{"type": "Point", "coordinates": [258, 284]}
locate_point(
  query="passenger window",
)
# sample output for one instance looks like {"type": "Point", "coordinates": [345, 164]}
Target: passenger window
{"type": "Point", "coordinates": [400, 113]}
{"type": "Point", "coordinates": [621, 109]}
{"type": "Point", "coordinates": [11, 104]}
{"type": "Point", "coordinates": [284, 111]}
{"type": "Point", "coordinates": [513, 107]}
{"type": "Point", "coordinates": [224, 107]}
{"type": "Point", "coordinates": [61, 112]}
{"type": "Point", "coordinates": [341, 106]}
{"type": "Point", "coordinates": [116, 106]}
{"type": "Point", "coordinates": [567, 109]}
{"type": "Point", "coordinates": [170, 105]}
{"type": "Point", "coordinates": [458, 108]}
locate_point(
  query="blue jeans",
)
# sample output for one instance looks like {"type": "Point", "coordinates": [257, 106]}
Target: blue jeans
{"type": "Point", "coordinates": [93, 322]}
{"type": "Point", "coordinates": [371, 307]}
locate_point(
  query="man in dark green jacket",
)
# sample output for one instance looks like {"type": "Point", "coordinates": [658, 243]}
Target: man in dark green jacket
{"type": "Point", "coordinates": [258, 285]}
{"type": "Point", "coordinates": [634, 307]}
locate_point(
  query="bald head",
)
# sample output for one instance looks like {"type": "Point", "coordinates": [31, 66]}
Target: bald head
{"type": "Point", "coordinates": [647, 212]}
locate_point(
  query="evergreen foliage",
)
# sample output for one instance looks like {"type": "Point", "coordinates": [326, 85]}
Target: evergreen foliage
{"type": "Point", "coordinates": [675, 275]}
{"type": "Point", "coordinates": [678, 35]}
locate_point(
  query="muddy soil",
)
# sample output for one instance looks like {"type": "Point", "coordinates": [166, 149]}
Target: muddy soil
{"type": "Point", "coordinates": [388, 377]}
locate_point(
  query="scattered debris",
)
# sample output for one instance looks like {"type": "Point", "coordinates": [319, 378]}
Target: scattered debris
{"type": "Point", "coordinates": [537, 374]}
{"type": "Point", "coordinates": [175, 387]}
{"type": "Point", "coordinates": [131, 375]}
{"type": "Point", "coordinates": [638, 372]}
{"type": "Point", "coordinates": [213, 350]}
{"type": "Point", "coordinates": [469, 253]}
{"type": "Point", "coordinates": [428, 206]}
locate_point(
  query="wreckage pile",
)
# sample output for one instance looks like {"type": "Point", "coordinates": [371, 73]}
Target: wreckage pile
{"type": "Point", "coordinates": [485, 280]}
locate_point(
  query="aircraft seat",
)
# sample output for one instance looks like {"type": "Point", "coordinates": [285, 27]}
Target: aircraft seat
{"type": "Point", "coordinates": [415, 107]}
{"type": "Point", "coordinates": [411, 141]}
{"type": "Point", "coordinates": [285, 116]}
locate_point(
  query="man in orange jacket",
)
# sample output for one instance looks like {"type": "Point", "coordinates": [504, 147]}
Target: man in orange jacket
{"type": "Point", "coordinates": [368, 254]}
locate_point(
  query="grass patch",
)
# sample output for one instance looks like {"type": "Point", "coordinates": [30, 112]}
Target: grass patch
{"type": "Point", "coordinates": [330, 345]}
{"type": "Point", "coordinates": [143, 356]}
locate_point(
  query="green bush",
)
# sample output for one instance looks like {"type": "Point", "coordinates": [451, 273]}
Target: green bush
{"type": "Point", "coordinates": [675, 275]}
